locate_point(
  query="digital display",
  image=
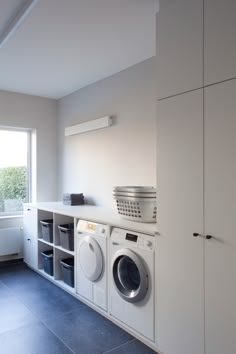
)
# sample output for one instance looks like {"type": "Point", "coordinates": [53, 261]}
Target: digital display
{"type": "Point", "coordinates": [92, 227]}
{"type": "Point", "coordinates": [131, 237]}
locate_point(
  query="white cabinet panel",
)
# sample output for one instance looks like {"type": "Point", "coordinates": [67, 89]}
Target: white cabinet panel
{"type": "Point", "coordinates": [180, 317]}
{"type": "Point", "coordinates": [179, 46]}
{"type": "Point", "coordinates": [220, 214]}
{"type": "Point", "coordinates": [219, 40]}
{"type": "Point", "coordinates": [31, 251]}
{"type": "Point", "coordinates": [30, 221]}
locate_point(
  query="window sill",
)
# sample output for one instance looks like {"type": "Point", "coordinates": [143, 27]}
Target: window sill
{"type": "Point", "coordinates": [11, 216]}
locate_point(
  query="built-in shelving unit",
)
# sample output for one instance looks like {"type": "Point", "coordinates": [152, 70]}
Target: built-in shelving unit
{"type": "Point", "coordinates": [59, 252]}
{"type": "Point", "coordinates": [59, 214]}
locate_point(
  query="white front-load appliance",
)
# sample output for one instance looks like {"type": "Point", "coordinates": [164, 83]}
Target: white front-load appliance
{"type": "Point", "coordinates": [131, 280]}
{"type": "Point", "coordinates": [91, 262]}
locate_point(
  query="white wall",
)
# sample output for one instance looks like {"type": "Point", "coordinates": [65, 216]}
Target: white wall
{"type": "Point", "coordinates": [24, 111]}
{"type": "Point", "coordinates": [124, 154]}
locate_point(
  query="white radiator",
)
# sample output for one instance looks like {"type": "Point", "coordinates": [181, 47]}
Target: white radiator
{"type": "Point", "coordinates": [10, 241]}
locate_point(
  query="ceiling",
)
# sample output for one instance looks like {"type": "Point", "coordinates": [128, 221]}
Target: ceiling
{"type": "Point", "coordinates": [64, 45]}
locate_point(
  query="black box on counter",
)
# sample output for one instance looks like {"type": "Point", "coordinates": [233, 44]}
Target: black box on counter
{"type": "Point", "coordinates": [73, 199]}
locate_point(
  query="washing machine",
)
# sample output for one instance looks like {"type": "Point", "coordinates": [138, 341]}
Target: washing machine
{"type": "Point", "coordinates": [131, 279]}
{"type": "Point", "coordinates": [91, 262]}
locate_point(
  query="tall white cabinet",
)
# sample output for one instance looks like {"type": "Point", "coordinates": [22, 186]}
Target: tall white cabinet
{"type": "Point", "coordinates": [219, 40]}
{"type": "Point", "coordinates": [196, 258]}
{"type": "Point", "coordinates": [220, 216]}
{"type": "Point", "coordinates": [180, 315]}
{"type": "Point", "coordinates": [196, 249]}
{"type": "Point", "coordinates": [179, 46]}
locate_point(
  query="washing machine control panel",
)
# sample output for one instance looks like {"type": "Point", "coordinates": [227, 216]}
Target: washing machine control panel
{"type": "Point", "coordinates": [127, 238]}
{"type": "Point", "coordinates": [142, 242]}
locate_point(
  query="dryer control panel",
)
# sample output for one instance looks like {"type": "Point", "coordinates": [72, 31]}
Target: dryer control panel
{"type": "Point", "coordinates": [89, 227]}
{"type": "Point", "coordinates": [137, 239]}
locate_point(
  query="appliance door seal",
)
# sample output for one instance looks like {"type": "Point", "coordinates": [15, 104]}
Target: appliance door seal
{"type": "Point", "coordinates": [129, 275]}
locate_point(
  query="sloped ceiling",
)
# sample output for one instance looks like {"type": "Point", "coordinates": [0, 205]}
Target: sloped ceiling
{"type": "Point", "coordinates": [64, 45]}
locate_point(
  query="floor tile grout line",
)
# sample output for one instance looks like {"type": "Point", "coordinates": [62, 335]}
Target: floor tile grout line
{"type": "Point", "coordinates": [7, 287]}
{"type": "Point", "coordinates": [15, 329]}
{"type": "Point", "coordinates": [119, 346]}
{"type": "Point", "coordinates": [14, 293]}
{"type": "Point", "coordinates": [36, 318]}
{"type": "Point", "coordinates": [72, 351]}
{"type": "Point", "coordinates": [15, 290]}
{"type": "Point", "coordinates": [41, 322]}
{"type": "Point", "coordinates": [42, 319]}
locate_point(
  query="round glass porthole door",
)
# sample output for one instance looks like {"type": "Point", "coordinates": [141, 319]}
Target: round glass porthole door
{"type": "Point", "coordinates": [130, 276]}
{"type": "Point", "coordinates": [90, 258]}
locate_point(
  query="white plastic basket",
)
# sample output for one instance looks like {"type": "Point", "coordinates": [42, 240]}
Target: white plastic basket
{"type": "Point", "coordinates": [136, 209]}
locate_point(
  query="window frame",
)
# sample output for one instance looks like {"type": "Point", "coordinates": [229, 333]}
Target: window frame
{"type": "Point", "coordinates": [29, 169]}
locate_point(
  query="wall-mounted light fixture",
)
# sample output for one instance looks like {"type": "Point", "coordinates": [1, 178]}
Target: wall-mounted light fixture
{"type": "Point", "coordinates": [95, 124]}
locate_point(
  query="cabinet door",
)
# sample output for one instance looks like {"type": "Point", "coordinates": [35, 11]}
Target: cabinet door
{"type": "Point", "coordinates": [219, 40]}
{"type": "Point", "coordinates": [179, 46]}
{"type": "Point", "coordinates": [30, 221]}
{"type": "Point", "coordinates": [179, 269]}
{"type": "Point", "coordinates": [31, 251]}
{"type": "Point", "coordinates": [220, 207]}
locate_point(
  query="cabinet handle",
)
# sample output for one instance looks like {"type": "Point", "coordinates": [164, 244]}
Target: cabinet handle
{"type": "Point", "coordinates": [208, 237]}
{"type": "Point", "coordinates": [28, 239]}
{"type": "Point", "coordinates": [195, 234]}
{"type": "Point", "coordinates": [29, 209]}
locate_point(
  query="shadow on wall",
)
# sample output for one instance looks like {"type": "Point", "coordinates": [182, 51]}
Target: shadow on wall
{"type": "Point", "coordinates": [89, 201]}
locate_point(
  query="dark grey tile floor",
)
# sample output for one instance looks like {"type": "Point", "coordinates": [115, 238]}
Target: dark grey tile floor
{"type": "Point", "coordinates": [37, 317]}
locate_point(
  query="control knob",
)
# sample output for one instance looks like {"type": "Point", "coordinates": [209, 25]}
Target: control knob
{"type": "Point", "coordinates": [147, 243]}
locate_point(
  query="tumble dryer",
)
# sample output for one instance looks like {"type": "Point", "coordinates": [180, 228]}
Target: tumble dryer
{"type": "Point", "coordinates": [132, 280]}
{"type": "Point", "coordinates": [91, 272]}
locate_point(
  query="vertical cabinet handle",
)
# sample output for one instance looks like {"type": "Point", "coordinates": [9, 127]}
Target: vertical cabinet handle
{"type": "Point", "coordinates": [195, 234]}
{"type": "Point", "coordinates": [208, 237]}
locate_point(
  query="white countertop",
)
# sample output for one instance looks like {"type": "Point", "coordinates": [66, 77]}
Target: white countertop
{"type": "Point", "coordinates": [97, 214]}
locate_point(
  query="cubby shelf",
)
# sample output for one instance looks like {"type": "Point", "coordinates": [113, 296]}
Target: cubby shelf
{"type": "Point", "coordinates": [46, 242]}
{"type": "Point", "coordinates": [64, 250]}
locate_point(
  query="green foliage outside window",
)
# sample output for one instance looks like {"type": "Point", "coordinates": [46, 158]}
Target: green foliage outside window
{"type": "Point", "coordinates": [12, 188]}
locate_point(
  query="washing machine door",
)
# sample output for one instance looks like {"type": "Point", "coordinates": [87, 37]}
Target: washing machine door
{"type": "Point", "coordinates": [90, 258]}
{"type": "Point", "coordinates": [129, 275]}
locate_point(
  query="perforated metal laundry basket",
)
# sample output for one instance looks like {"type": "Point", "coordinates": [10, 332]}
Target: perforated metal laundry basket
{"type": "Point", "coordinates": [136, 203]}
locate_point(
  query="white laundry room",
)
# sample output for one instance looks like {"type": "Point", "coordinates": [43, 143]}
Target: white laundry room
{"type": "Point", "coordinates": [117, 177]}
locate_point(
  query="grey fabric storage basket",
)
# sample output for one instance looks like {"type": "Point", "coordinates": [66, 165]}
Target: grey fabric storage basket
{"type": "Point", "coordinates": [47, 229]}
{"type": "Point", "coordinates": [48, 261]}
{"type": "Point", "coordinates": [66, 232]}
{"type": "Point", "coordinates": [67, 267]}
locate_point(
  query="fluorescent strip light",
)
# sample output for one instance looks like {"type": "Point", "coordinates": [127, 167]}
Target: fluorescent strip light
{"type": "Point", "coordinates": [18, 19]}
{"type": "Point", "coordinates": [99, 123]}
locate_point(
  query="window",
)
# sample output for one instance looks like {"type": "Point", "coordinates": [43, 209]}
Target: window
{"type": "Point", "coordinates": [14, 170]}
